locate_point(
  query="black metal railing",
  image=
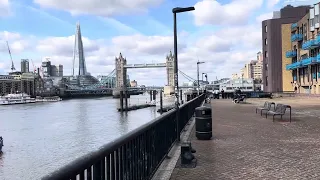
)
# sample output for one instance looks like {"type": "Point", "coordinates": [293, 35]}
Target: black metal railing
{"type": "Point", "coordinates": [135, 155]}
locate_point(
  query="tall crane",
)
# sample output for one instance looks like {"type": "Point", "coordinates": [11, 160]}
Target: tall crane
{"type": "Point", "coordinates": [12, 65]}
{"type": "Point", "coordinates": [34, 68]}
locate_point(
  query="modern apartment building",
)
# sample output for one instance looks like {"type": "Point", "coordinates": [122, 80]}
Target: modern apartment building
{"type": "Point", "coordinates": [303, 57]}
{"type": "Point", "coordinates": [24, 65]}
{"type": "Point", "coordinates": [272, 45]}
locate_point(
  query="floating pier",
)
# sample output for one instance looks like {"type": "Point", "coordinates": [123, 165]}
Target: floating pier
{"type": "Point", "coordinates": [136, 107]}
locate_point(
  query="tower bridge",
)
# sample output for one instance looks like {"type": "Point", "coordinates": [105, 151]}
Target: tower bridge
{"type": "Point", "coordinates": [122, 66]}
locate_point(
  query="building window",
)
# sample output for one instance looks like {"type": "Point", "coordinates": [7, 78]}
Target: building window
{"type": "Point", "coordinates": [266, 28]}
{"type": "Point", "coordinates": [316, 19]}
{"type": "Point", "coordinates": [266, 80]}
{"type": "Point", "coordinates": [265, 41]}
{"type": "Point", "coordinates": [266, 54]}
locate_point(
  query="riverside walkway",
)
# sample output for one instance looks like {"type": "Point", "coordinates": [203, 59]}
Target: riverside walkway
{"type": "Point", "coordinates": [248, 146]}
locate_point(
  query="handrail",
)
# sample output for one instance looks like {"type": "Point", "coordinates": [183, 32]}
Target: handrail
{"type": "Point", "coordinates": [136, 154]}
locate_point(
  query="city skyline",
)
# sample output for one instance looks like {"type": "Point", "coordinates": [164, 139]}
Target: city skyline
{"type": "Point", "coordinates": [143, 33]}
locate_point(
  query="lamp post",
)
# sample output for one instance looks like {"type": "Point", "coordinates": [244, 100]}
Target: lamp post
{"type": "Point", "coordinates": [175, 43]}
{"type": "Point", "coordinates": [198, 84]}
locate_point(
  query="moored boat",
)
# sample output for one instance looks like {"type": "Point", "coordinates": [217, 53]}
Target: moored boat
{"type": "Point", "coordinates": [48, 99]}
{"type": "Point", "coordinates": [19, 98]}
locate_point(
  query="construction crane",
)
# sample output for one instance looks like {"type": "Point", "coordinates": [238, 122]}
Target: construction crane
{"type": "Point", "coordinates": [12, 65]}
{"type": "Point", "coordinates": [34, 68]}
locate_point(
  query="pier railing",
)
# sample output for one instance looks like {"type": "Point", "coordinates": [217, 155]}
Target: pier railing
{"type": "Point", "coordinates": [136, 155]}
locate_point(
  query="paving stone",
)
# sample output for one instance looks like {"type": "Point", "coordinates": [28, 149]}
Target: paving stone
{"type": "Point", "coordinates": [248, 146]}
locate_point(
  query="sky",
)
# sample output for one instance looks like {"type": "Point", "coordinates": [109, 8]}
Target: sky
{"type": "Point", "coordinates": [225, 34]}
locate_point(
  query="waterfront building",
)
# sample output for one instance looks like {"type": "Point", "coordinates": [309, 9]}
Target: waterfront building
{"type": "Point", "coordinates": [272, 41]}
{"type": "Point", "coordinates": [133, 83]}
{"type": "Point", "coordinates": [302, 59]}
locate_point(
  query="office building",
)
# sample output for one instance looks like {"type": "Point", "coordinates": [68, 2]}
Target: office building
{"type": "Point", "coordinates": [302, 60]}
{"type": "Point", "coordinates": [24, 65]}
{"type": "Point", "coordinates": [60, 70]}
{"type": "Point", "coordinates": [272, 45]}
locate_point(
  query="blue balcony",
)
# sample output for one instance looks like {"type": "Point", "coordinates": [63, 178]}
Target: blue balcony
{"type": "Point", "coordinates": [290, 54]}
{"type": "Point", "coordinates": [308, 61]}
{"type": "Point", "coordinates": [293, 65]}
{"type": "Point", "coordinates": [318, 58]}
{"type": "Point", "coordinates": [296, 37]}
{"type": "Point", "coordinates": [314, 76]}
{"type": "Point", "coordinates": [311, 44]}
{"type": "Point", "coordinates": [294, 25]}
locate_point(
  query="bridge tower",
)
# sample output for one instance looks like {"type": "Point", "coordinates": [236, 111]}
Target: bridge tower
{"type": "Point", "coordinates": [121, 72]}
{"type": "Point", "coordinates": [121, 75]}
{"type": "Point", "coordinates": [169, 88]}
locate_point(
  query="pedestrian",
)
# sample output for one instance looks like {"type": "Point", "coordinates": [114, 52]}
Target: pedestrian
{"type": "Point", "coordinates": [222, 94]}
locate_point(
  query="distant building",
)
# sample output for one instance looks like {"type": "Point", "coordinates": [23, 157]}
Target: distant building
{"type": "Point", "coordinates": [54, 70]}
{"type": "Point", "coordinates": [133, 83]}
{"type": "Point", "coordinates": [24, 65]}
{"type": "Point", "coordinates": [46, 68]}
{"type": "Point", "coordinates": [60, 70]}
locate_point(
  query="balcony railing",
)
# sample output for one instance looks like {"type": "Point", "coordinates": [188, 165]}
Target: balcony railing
{"type": "Point", "coordinates": [318, 58]}
{"type": "Point", "coordinates": [308, 61]}
{"type": "Point", "coordinates": [314, 76]}
{"type": "Point", "coordinates": [290, 54]}
{"type": "Point", "coordinates": [135, 155]}
{"type": "Point", "coordinates": [311, 44]}
{"type": "Point", "coordinates": [293, 65]}
{"type": "Point", "coordinates": [296, 37]}
{"type": "Point", "coordinates": [294, 25]}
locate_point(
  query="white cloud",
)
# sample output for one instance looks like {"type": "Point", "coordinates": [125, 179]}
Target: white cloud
{"type": "Point", "coordinates": [16, 42]}
{"type": "Point", "coordinates": [4, 7]}
{"type": "Point", "coordinates": [264, 16]}
{"type": "Point", "coordinates": [102, 8]}
{"type": "Point", "coordinates": [235, 12]}
{"type": "Point", "coordinates": [272, 3]}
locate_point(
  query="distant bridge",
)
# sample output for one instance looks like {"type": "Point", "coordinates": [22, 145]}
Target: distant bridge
{"type": "Point", "coordinates": [154, 65]}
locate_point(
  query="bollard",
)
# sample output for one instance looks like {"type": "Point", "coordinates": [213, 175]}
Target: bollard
{"type": "Point", "coordinates": [203, 123]}
{"type": "Point", "coordinates": [161, 102]}
{"type": "Point", "coordinates": [126, 100]}
{"type": "Point", "coordinates": [121, 100]}
{"type": "Point", "coordinates": [154, 93]}
{"type": "Point", "coordinates": [186, 155]}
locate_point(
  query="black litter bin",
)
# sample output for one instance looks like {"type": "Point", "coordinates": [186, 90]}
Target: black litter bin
{"type": "Point", "coordinates": [203, 123]}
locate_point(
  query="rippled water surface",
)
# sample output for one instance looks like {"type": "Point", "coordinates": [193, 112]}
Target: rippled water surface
{"type": "Point", "coordinates": [39, 138]}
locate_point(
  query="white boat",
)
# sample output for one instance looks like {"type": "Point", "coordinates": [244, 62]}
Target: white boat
{"type": "Point", "coordinates": [19, 98]}
{"type": "Point", "coordinates": [48, 99]}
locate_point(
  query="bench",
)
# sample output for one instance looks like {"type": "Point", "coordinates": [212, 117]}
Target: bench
{"type": "Point", "coordinates": [280, 110]}
{"type": "Point", "coordinates": [266, 107]}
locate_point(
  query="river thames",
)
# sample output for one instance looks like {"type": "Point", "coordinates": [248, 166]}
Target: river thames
{"type": "Point", "coordinates": [41, 137]}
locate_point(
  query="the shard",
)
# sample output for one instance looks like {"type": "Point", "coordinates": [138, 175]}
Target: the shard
{"type": "Point", "coordinates": [78, 56]}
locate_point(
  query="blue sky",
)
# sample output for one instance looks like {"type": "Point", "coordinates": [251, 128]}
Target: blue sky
{"type": "Point", "coordinates": [140, 29]}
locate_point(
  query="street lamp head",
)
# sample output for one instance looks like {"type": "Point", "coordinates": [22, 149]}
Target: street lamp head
{"type": "Point", "coordinates": [200, 62]}
{"type": "Point", "coordinates": [179, 9]}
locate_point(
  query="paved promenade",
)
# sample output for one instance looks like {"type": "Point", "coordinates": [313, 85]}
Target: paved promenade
{"type": "Point", "coordinates": [248, 146]}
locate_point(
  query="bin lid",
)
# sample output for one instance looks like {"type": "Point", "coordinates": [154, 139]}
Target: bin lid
{"type": "Point", "coordinates": [203, 108]}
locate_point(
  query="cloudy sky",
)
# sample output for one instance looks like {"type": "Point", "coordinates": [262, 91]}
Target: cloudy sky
{"type": "Point", "coordinates": [224, 34]}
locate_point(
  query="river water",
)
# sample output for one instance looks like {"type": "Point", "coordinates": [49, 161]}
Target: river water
{"type": "Point", "coordinates": [41, 137]}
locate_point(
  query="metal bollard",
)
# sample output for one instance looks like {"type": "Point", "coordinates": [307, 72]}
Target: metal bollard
{"type": "Point", "coordinates": [203, 123]}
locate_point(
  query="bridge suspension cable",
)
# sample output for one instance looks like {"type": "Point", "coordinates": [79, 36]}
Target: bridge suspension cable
{"type": "Point", "coordinates": [186, 76]}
